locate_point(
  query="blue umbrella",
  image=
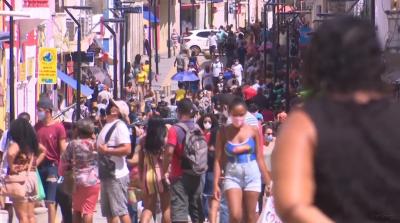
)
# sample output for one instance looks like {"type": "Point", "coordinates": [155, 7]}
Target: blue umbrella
{"type": "Point", "coordinates": [185, 76]}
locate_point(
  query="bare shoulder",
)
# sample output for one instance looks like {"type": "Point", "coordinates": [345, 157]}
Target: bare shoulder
{"type": "Point", "coordinates": [298, 126]}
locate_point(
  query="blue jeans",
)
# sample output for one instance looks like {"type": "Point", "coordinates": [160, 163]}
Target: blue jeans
{"type": "Point", "coordinates": [132, 208]}
{"type": "Point", "coordinates": [223, 211]}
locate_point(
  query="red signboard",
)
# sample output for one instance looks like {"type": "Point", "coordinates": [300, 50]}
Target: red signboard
{"type": "Point", "coordinates": [36, 3]}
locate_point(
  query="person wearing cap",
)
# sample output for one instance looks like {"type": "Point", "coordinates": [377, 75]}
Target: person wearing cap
{"type": "Point", "coordinates": [114, 187]}
{"type": "Point", "coordinates": [52, 135]}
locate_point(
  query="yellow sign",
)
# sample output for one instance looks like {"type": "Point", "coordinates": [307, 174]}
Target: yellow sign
{"type": "Point", "coordinates": [22, 72]}
{"type": "Point", "coordinates": [47, 65]}
{"type": "Point", "coordinates": [30, 70]}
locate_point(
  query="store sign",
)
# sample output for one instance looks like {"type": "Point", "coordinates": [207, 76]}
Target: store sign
{"type": "Point", "coordinates": [47, 65]}
{"type": "Point", "coordinates": [22, 72]}
{"type": "Point", "coordinates": [36, 3]}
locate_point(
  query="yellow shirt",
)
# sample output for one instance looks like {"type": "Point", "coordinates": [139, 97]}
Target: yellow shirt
{"type": "Point", "coordinates": [180, 94]}
{"type": "Point", "coordinates": [141, 77]}
{"type": "Point", "coordinates": [146, 68]}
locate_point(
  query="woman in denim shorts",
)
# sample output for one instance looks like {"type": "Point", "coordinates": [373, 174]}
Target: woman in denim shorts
{"type": "Point", "coordinates": [238, 152]}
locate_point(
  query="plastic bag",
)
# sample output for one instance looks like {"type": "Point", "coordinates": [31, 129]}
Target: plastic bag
{"type": "Point", "coordinates": [268, 214]}
{"type": "Point", "coordinates": [41, 195]}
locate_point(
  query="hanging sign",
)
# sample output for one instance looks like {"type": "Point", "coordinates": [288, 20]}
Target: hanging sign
{"type": "Point", "coordinates": [47, 65]}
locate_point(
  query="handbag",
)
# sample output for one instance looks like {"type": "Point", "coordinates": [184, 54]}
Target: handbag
{"type": "Point", "coordinates": [268, 214]}
{"type": "Point", "coordinates": [106, 165]}
{"type": "Point", "coordinates": [41, 195]}
{"type": "Point", "coordinates": [14, 186]}
{"type": "Point", "coordinates": [68, 183]}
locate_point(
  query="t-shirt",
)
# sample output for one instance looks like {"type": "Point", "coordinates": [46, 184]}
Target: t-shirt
{"type": "Point", "coordinates": [141, 77]}
{"type": "Point", "coordinates": [176, 138]}
{"type": "Point", "coordinates": [212, 40]}
{"type": "Point", "coordinates": [121, 135]}
{"type": "Point", "coordinates": [50, 136]}
{"type": "Point", "coordinates": [237, 70]}
{"type": "Point", "coordinates": [216, 68]}
{"type": "Point", "coordinates": [180, 94]}
{"type": "Point", "coordinates": [146, 68]}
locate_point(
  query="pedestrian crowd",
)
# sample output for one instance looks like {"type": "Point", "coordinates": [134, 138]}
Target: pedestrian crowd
{"type": "Point", "coordinates": [205, 155]}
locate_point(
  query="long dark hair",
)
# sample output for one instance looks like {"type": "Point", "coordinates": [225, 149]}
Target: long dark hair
{"type": "Point", "coordinates": [22, 133]}
{"type": "Point", "coordinates": [155, 136]}
{"type": "Point", "coordinates": [214, 127]}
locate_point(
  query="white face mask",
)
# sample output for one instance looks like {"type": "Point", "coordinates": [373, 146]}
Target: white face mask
{"type": "Point", "coordinates": [207, 125]}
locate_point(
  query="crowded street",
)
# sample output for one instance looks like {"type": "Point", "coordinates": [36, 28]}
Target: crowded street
{"type": "Point", "coordinates": [199, 111]}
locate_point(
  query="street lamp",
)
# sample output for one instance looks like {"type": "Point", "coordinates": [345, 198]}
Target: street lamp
{"type": "Point", "coordinates": [115, 75]}
{"type": "Point", "coordinates": [79, 59]}
{"type": "Point", "coordinates": [12, 13]}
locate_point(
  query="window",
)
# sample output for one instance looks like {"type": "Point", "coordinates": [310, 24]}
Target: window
{"type": "Point", "coordinates": [203, 34]}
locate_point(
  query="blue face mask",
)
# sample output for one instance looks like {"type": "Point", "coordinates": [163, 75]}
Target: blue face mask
{"type": "Point", "coordinates": [269, 138]}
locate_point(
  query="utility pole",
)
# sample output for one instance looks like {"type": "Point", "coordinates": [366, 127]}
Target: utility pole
{"type": "Point", "coordinates": [212, 14]}
{"type": "Point", "coordinates": [265, 39]}
{"type": "Point", "coordinates": [11, 64]}
{"type": "Point", "coordinates": [156, 59]}
{"type": "Point", "coordinates": [193, 15]}
{"type": "Point", "coordinates": [205, 14]}
{"type": "Point", "coordinates": [180, 20]}
{"type": "Point", "coordinates": [79, 57]}
{"type": "Point", "coordinates": [169, 29]}
{"type": "Point", "coordinates": [248, 13]}
{"type": "Point", "coordinates": [150, 40]}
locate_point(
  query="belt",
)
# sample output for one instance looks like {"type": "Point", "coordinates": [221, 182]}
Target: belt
{"type": "Point", "coordinates": [243, 158]}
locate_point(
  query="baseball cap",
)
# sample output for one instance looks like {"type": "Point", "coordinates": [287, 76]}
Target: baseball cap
{"type": "Point", "coordinates": [45, 103]}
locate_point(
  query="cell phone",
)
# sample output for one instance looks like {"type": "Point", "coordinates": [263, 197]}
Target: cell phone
{"type": "Point", "coordinates": [60, 180]}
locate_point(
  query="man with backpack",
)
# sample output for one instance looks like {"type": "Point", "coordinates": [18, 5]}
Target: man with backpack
{"type": "Point", "coordinates": [186, 151]}
{"type": "Point", "coordinates": [113, 145]}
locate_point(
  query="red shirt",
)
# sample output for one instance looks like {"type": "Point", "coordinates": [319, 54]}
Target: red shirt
{"type": "Point", "coordinates": [49, 137]}
{"type": "Point", "coordinates": [176, 138]}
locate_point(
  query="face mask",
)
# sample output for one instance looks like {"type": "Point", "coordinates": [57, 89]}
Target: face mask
{"type": "Point", "coordinates": [237, 63]}
{"type": "Point", "coordinates": [207, 125]}
{"type": "Point", "coordinates": [237, 121]}
{"type": "Point", "coordinates": [217, 60]}
{"type": "Point", "coordinates": [269, 138]}
{"type": "Point", "coordinates": [41, 115]}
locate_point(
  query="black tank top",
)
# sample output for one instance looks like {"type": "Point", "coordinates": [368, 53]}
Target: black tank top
{"type": "Point", "coordinates": [357, 160]}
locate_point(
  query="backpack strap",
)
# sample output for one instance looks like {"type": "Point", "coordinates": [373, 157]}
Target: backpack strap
{"type": "Point", "coordinates": [110, 132]}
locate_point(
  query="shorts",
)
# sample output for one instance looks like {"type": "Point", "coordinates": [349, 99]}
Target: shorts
{"type": "Point", "coordinates": [84, 199]}
{"type": "Point", "coordinates": [114, 197]}
{"type": "Point", "coordinates": [186, 199]}
{"type": "Point", "coordinates": [30, 186]}
{"type": "Point", "coordinates": [245, 176]}
{"type": "Point", "coordinates": [49, 175]}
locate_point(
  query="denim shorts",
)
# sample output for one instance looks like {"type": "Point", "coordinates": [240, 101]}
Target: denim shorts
{"type": "Point", "coordinates": [49, 175]}
{"type": "Point", "coordinates": [245, 176]}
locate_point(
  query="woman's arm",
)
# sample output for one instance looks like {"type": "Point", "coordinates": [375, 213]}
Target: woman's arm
{"type": "Point", "coordinates": [218, 163]}
{"type": "Point", "coordinates": [260, 158]}
{"type": "Point", "coordinates": [293, 171]}
{"type": "Point", "coordinates": [42, 154]}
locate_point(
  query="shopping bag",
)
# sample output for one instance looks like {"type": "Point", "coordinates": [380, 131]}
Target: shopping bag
{"type": "Point", "coordinates": [41, 195]}
{"type": "Point", "coordinates": [268, 214]}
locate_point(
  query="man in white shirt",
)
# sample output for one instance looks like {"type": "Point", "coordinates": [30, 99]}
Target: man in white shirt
{"type": "Point", "coordinates": [212, 42]}
{"type": "Point", "coordinates": [114, 181]}
{"type": "Point", "coordinates": [216, 68]}
{"type": "Point", "coordinates": [237, 70]}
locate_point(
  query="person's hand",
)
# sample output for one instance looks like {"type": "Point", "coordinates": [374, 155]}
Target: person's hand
{"type": "Point", "coordinates": [102, 149]}
{"type": "Point", "coordinates": [268, 189]}
{"type": "Point", "coordinates": [217, 193]}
